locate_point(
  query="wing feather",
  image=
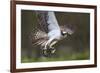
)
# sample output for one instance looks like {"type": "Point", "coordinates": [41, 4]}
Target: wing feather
{"type": "Point", "coordinates": [39, 37]}
{"type": "Point", "coordinates": [42, 17]}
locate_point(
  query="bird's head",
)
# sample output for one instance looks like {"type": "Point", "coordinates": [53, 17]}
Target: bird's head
{"type": "Point", "coordinates": [66, 30]}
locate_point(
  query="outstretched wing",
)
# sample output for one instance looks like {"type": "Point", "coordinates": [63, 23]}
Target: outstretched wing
{"type": "Point", "coordinates": [39, 33]}
{"type": "Point", "coordinates": [48, 22]}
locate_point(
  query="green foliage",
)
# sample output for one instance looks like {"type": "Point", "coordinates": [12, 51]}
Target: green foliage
{"type": "Point", "coordinates": [63, 57]}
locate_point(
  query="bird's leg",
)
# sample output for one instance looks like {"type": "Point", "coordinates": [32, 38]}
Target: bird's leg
{"type": "Point", "coordinates": [51, 46]}
{"type": "Point", "coordinates": [48, 43]}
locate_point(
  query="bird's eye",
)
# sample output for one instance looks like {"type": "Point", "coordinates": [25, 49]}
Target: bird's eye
{"type": "Point", "coordinates": [63, 33]}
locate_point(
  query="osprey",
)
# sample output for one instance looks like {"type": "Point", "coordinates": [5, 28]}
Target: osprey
{"type": "Point", "coordinates": [51, 31]}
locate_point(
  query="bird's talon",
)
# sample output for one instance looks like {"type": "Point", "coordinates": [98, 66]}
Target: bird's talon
{"type": "Point", "coordinates": [53, 50]}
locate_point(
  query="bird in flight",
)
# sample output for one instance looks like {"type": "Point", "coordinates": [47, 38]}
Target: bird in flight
{"type": "Point", "coordinates": [51, 32]}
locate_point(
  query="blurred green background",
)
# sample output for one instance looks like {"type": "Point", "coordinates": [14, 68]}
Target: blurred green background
{"type": "Point", "coordinates": [74, 47]}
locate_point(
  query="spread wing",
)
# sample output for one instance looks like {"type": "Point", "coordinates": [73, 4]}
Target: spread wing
{"type": "Point", "coordinates": [47, 22]}
{"type": "Point", "coordinates": [39, 33]}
